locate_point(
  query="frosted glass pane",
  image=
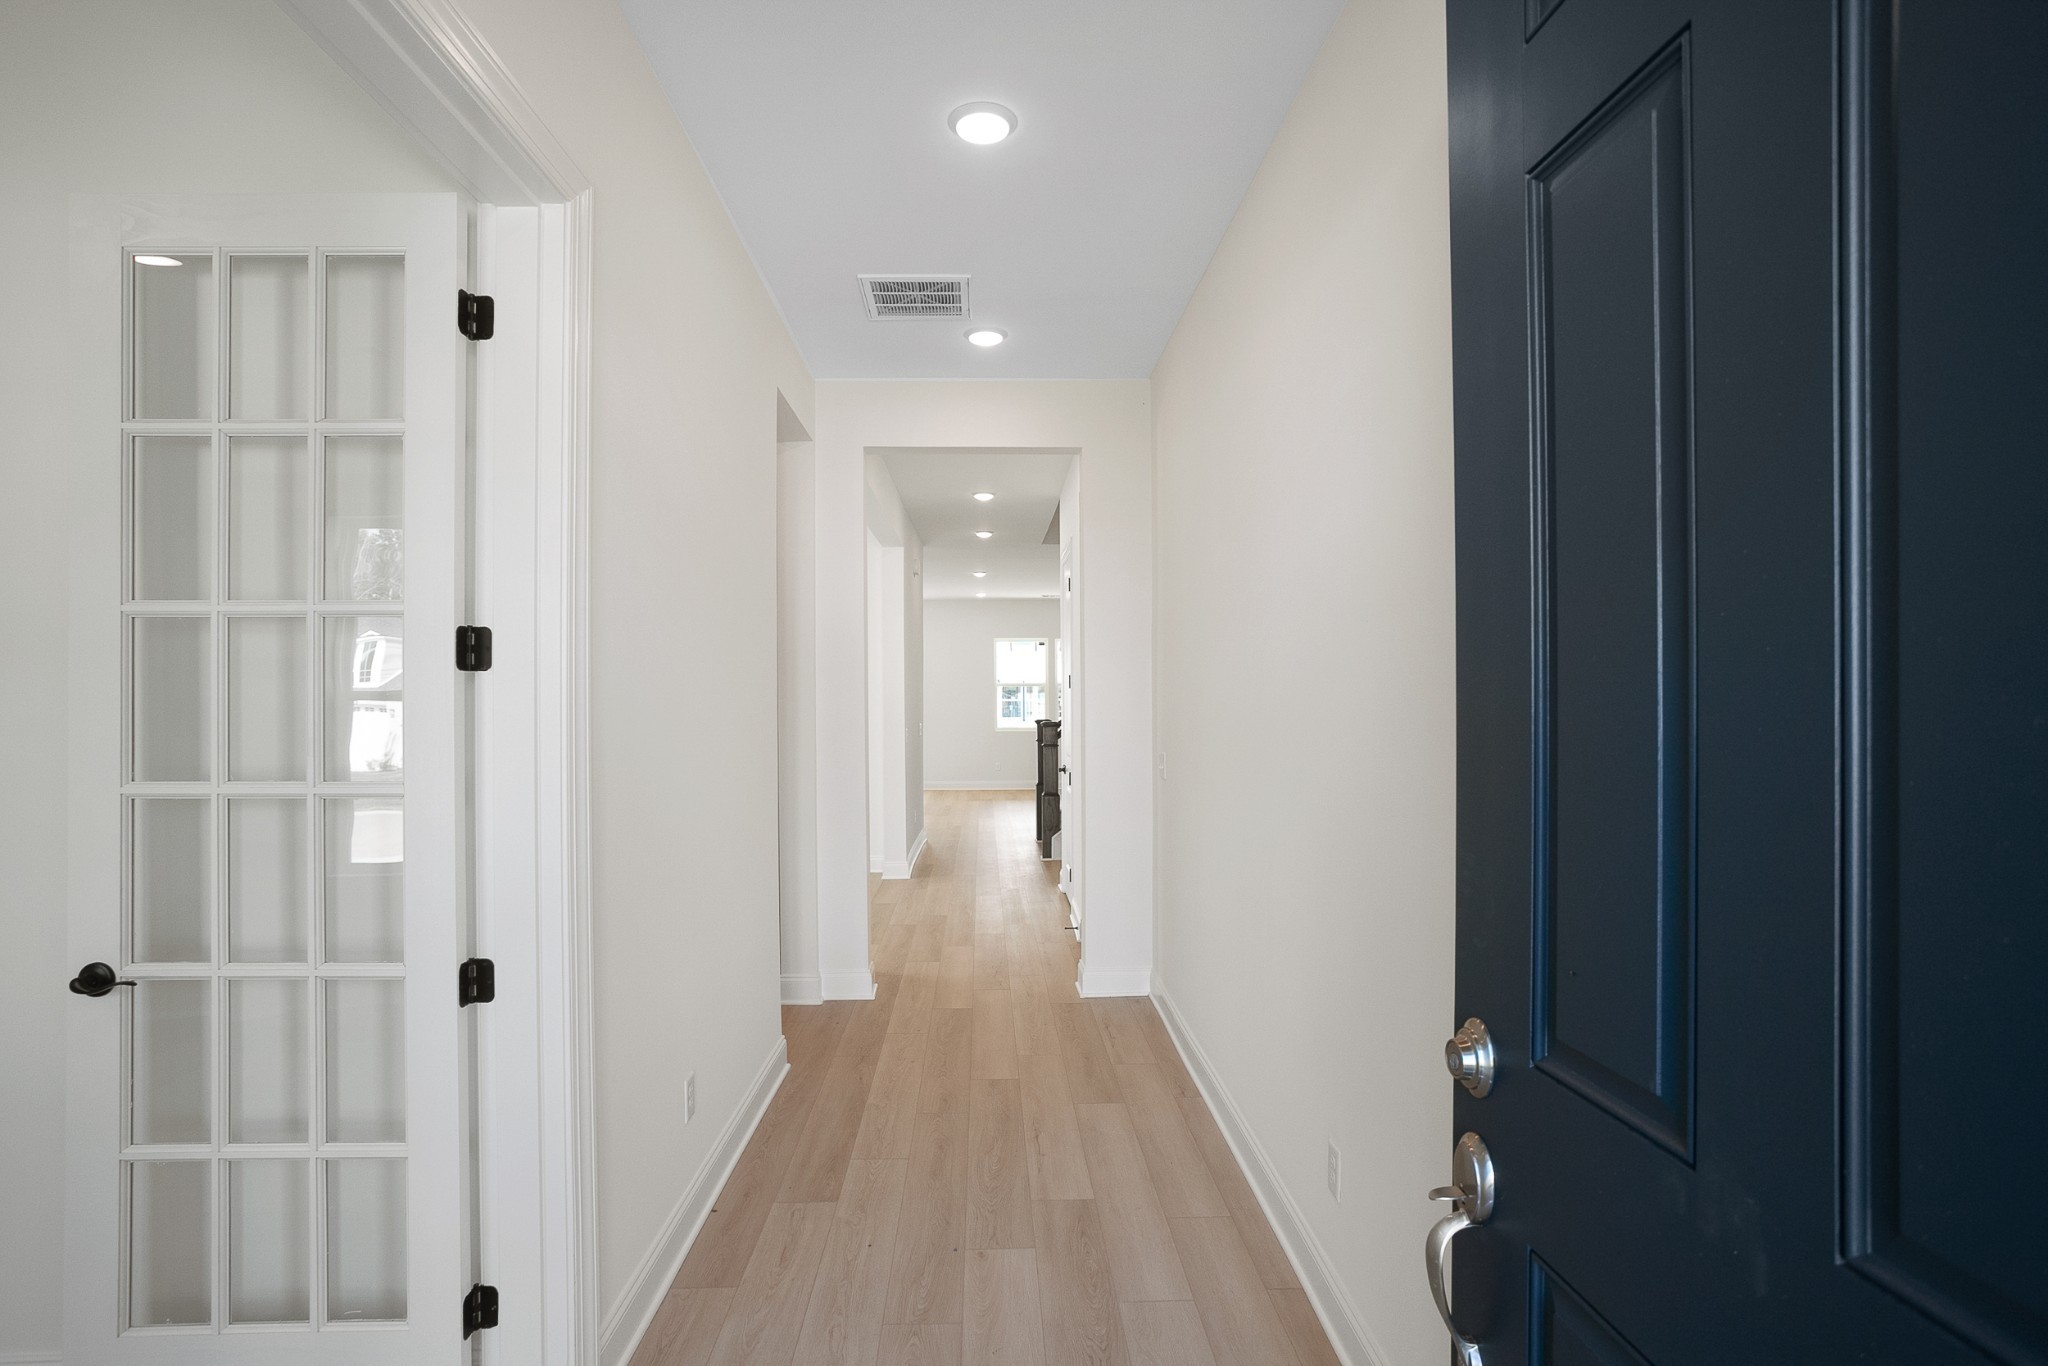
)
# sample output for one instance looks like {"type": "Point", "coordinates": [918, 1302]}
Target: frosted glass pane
{"type": "Point", "coordinates": [270, 1242]}
{"type": "Point", "coordinates": [366, 1239]}
{"type": "Point", "coordinates": [365, 511]}
{"type": "Point", "coordinates": [171, 1085]}
{"type": "Point", "coordinates": [170, 1243]}
{"type": "Point", "coordinates": [270, 336]}
{"type": "Point", "coordinates": [269, 478]}
{"type": "Point", "coordinates": [364, 693]}
{"type": "Point", "coordinates": [174, 339]}
{"type": "Point", "coordinates": [364, 1026]}
{"type": "Point", "coordinates": [270, 1060]}
{"type": "Point", "coordinates": [171, 879]}
{"type": "Point", "coordinates": [267, 880]}
{"type": "Point", "coordinates": [267, 699]}
{"type": "Point", "coordinates": [366, 337]}
{"type": "Point", "coordinates": [171, 509]}
{"type": "Point", "coordinates": [173, 719]}
{"type": "Point", "coordinates": [365, 880]}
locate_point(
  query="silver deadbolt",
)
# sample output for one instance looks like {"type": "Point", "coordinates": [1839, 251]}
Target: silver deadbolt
{"type": "Point", "coordinates": [1468, 1054]}
{"type": "Point", "coordinates": [1470, 1196]}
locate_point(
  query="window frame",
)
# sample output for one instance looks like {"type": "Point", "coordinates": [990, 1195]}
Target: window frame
{"type": "Point", "coordinates": [1044, 684]}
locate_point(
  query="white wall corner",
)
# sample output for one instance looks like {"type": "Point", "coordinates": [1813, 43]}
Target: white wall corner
{"type": "Point", "coordinates": [895, 870]}
{"type": "Point", "coordinates": [847, 986]}
{"type": "Point", "coordinates": [629, 1317]}
{"type": "Point", "coordinates": [1349, 1335]}
{"type": "Point", "coordinates": [1109, 982]}
{"type": "Point", "coordinates": [802, 990]}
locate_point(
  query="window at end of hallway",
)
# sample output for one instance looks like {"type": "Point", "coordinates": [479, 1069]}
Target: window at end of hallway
{"type": "Point", "coordinates": [1020, 683]}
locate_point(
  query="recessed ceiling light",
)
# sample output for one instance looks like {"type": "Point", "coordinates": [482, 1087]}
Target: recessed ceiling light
{"type": "Point", "coordinates": [981, 595]}
{"type": "Point", "coordinates": [158, 261]}
{"type": "Point", "coordinates": [984, 534]}
{"type": "Point", "coordinates": [987, 336]}
{"type": "Point", "coordinates": [981, 573]}
{"type": "Point", "coordinates": [984, 497]}
{"type": "Point", "coordinates": [982, 123]}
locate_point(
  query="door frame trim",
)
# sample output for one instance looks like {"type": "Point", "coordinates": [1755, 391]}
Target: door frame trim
{"type": "Point", "coordinates": [431, 69]}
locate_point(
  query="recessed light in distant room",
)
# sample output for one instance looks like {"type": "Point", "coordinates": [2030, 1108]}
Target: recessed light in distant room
{"type": "Point", "coordinates": [982, 123]}
{"type": "Point", "coordinates": [984, 534]}
{"type": "Point", "coordinates": [987, 336]}
{"type": "Point", "coordinates": [984, 497]}
{"type": "Point", "coordinates": [981, 573]}
{"type": "Point", "coordinates": [158, 261]}
{"type": "Point", "coordinates": [981, 595]}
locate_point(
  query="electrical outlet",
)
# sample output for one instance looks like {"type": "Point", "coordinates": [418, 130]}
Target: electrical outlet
{"type": "Point", "coordinates": [1336, 1175]}
{"type": "Point", "coordinates": [690, 1104]}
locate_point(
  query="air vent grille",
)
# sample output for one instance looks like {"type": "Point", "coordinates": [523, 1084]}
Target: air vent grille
{"type": "Point", "coordinates": [914, 296]}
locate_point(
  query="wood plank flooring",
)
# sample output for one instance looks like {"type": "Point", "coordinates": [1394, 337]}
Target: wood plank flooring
{"type": "Point", "coordinates": [979, 1167]}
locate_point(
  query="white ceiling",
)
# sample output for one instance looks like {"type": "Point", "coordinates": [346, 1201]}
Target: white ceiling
{"type": "Point", "coordinates": [1140, 124]}
{"type": "Point", "coordinates": [938, 488]}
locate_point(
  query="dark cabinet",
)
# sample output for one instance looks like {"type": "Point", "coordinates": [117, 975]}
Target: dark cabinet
{"type": "Point", "coordinates": [1048, 785]}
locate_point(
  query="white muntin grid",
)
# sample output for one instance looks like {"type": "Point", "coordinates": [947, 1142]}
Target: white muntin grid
{"type": "Point", "coordinates": [322, 779]}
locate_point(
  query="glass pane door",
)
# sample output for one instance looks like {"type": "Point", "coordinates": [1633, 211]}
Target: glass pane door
{"type": "Point", "coordinates": [264, 1146]}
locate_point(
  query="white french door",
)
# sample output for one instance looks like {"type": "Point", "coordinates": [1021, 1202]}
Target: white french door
{"type": "Point", "coordinates": [266, 1146]}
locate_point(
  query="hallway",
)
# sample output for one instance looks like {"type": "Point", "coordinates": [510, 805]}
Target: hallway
{"type": "Point", "coordinates": [978, 1166]}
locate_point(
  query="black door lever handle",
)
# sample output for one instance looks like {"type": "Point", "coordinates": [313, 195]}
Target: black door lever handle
{"type": "Point", "coordinates": [97, 979]}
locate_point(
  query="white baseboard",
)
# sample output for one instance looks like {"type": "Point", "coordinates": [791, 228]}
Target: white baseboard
{"type": "Point", "coordinates": [1353, 1341]}
{"type": "Point", "coordinates": [847, 986]}
{"type": "Point", "coordinates": [978, 785]}
{"type": "Point", "coordinates": [634, 1310]}
{"type": "Point", "coordinates": [1101, 982]}
{"type": "Point", "coordinates": [802, 991]}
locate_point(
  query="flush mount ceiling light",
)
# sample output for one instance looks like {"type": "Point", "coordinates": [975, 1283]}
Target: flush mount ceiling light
{"type": "Point", "coordinates": [984, 534]}
{"type": "Point", "coordinates": [981, 573]}
{"type": "Point", "coordinates": [987, 336]}
{"type": "Point", "coordinates": [981, 595]}
{"type": "Point", "coordinates": [984, 497]}
{"type": "Point", "coordinates": [982, 123]}
{"type": "Point", "coordinates": [158, 261]}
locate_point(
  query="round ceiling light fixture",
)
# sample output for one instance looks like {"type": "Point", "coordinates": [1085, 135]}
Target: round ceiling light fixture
{"type": "Point", "coordinates": [981, 595]}
{"type": "Point", "coordinates": [981, 573]}
{"type": "Point", "coordinates": [984, 534]}
{"type": "Point", "coordinates": [987, 336]}
{"type": "Point", "coordinates": [158, 261]}
{"type": "Point", "coordinates": [984, 497]}
{"type": "Point", "coordinates": [982, 123]}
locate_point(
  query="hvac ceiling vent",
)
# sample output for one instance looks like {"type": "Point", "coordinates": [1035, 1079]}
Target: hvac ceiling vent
{"type": "Point", "coordinates": [914, 296]}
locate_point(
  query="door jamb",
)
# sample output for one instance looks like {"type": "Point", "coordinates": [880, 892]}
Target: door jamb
{"type": "Point", "coordinates": [430, 68]}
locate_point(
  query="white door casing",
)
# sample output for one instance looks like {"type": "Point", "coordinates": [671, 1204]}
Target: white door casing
{"type": "Point", "coordinates": [234, 1138]}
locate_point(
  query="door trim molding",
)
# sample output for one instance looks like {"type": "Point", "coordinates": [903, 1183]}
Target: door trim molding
{"type": "Point", "coordinates": [433, 71]}
{"type": "Point", "coordinates": [1353, 1340]}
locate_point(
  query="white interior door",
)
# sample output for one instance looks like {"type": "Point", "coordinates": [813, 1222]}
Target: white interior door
{"type": "Point", "coordinates": [266, 1154]}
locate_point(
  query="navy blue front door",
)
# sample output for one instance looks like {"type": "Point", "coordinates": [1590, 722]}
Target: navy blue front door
{"type": "Point", "coordinates": [1752, 469]}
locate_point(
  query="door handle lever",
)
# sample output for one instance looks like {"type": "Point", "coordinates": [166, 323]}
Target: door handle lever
{"type": "Point", "coordinates": [97, 979]}
{"type": "Point", "coordinates": [1471, 1199]}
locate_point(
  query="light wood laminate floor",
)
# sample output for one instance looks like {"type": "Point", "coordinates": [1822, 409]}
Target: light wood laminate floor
{"type": "Point", "coordinates": [978, 1166]}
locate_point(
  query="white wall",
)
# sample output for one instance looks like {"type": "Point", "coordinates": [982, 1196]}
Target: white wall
{"type": "Point", "coordinates": [963, 748]}
{"type": "Point", "coordinates": [796, 693]}
{"type": "Point", "coordinates": [1306, 610]}
{"type": "Point", "coordinates": [107, 96]}
{"type": "Point", "coordinates": [896, 588]}
{"type": "Point", "coordinates": [688, 356]}
{"type": "Point", "coordinates": [1109, 423]}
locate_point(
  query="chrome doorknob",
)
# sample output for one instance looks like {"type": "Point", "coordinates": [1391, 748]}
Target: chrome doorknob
{"type": "Point", "coordinates": [1471, 1197]}
{"type": "Point", "coordinates": [1468, 1055]}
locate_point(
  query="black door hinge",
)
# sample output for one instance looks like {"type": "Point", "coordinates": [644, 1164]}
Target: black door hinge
{"type": "Point", "coordinates": [476, 315]}
{"type": "Point", "coordinates": [473, 649]}
{"type": "Point", "coordinates": [479, 1309]}
{"type": "Point", "coordinates": [476, 982]}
